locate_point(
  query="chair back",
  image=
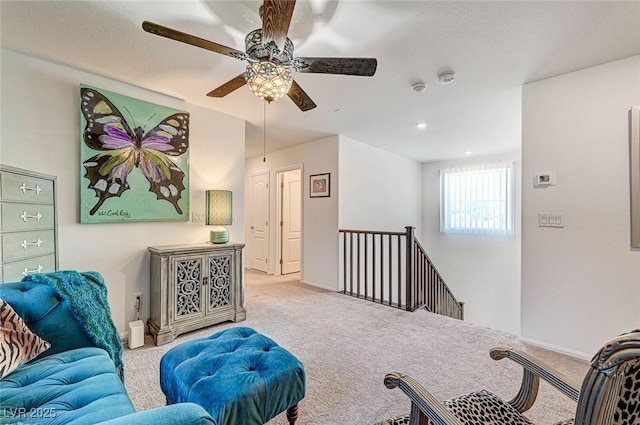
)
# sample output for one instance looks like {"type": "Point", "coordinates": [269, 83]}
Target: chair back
{"type": "Point", "coordinates": [610, 393]}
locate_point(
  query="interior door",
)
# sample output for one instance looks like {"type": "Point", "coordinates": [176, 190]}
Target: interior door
{"type": "Point", "coordinates": [291, 225]}
{"type": "Point", "coordinates": [259, 224]}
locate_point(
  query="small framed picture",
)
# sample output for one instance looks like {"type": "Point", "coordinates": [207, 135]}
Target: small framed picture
{"type": "Point", "coordinates": [320, 186]}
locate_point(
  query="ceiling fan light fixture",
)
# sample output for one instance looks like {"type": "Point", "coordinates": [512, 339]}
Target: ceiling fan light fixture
{"type": "Point", "coordinates": [268, 80]}
{"type": "Point", "coordinates": [270, 54]}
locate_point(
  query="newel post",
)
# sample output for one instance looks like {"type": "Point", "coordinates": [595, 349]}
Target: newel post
{"type": "Point", "coordinates": [409, 271]}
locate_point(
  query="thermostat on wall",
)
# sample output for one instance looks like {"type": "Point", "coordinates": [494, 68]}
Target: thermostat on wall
{"type": "Point", "coordinates": [544, 179]}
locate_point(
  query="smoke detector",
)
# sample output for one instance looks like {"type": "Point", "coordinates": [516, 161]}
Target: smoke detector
{"type": "Point", "coordinates": [419, 87]}
{"type": "Point", "coordinates": [446, 77]}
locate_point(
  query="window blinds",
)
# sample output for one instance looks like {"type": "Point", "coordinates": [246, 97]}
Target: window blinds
{"type": "Point", "coordinates": [477, 199]}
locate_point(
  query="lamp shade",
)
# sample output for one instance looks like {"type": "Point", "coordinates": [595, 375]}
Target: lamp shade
{"type": "Point", "coordinates": [218, 212]}
{"type": "Point", "coordinates": [218, 208]}
{"type": "Point", "coordinates": [268, 80]}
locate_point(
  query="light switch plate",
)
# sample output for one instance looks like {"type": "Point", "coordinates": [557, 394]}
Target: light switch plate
{"type": "Point", "coordinates": [550, 220]}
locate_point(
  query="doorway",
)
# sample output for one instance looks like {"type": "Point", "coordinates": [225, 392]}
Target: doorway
{"type": "Point", "coordinates": [289, 210]}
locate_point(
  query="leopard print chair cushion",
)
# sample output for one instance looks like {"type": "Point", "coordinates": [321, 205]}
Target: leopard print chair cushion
{"type": "Point", "coordinates": [404, 420]}
{"type": "Point", "coordinates": [477, 408]}
{"type": "Point", "coordinates": [398, 420]}
{"type": "Point", "coordinates": [627, 411]}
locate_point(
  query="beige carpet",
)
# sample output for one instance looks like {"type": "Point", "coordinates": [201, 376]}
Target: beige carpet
{"type": "Point", "coordinates": [348, 345]}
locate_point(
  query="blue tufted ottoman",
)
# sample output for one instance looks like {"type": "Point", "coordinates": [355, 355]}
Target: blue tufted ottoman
{"type": "Point", "coordinates": [238, 375]}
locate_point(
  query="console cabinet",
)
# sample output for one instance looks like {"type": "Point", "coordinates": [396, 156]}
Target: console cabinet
{"type": "Point", "coordinates": [194, 286]}
{"type": "Point", "coordinates": [28, 225]}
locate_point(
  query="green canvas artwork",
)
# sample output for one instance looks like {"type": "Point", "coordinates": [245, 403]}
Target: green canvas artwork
{"type": "Point", "coordinates": [134, 159]}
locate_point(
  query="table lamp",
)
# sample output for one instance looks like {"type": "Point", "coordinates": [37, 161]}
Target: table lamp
{"type": "Point", "coordinates": [218, 212]}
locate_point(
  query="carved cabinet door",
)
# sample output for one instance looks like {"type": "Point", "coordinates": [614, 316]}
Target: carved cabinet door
{"type": "Point", "coordinates": [219, 290]}
{"type": "Point", "coordinates": [189, 281]}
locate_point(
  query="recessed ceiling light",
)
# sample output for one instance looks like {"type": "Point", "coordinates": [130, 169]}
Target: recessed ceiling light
{"type": "Point", "coordinates": [468, 153]}
{"type": "Point", "coordinates": [421, 125]}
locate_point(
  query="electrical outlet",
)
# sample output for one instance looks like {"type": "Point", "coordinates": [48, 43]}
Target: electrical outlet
{"type": "Point", "coordinates": [137, 301]}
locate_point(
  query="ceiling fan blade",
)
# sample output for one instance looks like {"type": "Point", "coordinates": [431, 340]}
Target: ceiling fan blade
{"type": "Point", "coordinates": [300, 98]}
{"type": "Point", "coordinates": [365, 67]}
{"type": "Point", "coordinates": [228, 87]}
{"type": "Point", "coordinates": [163, 31]}
{"type": "Point", "coordinates": [276, 17]}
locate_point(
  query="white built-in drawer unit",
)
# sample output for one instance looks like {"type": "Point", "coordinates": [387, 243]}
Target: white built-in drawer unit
{"type": "Point", "coordinates": [28, 223]}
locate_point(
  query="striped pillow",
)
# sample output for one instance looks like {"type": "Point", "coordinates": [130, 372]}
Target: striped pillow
{"type": "Point", "coordinates": [18, 344]}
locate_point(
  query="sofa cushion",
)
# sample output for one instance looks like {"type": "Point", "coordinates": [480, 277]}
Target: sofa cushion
{"type": "Point", "coordinates": [76, 387]}
{"type": "Point", "coordinates": [46, 314]}
{"type": "Point", "coordinates": [173, 414]}
{"type": "Point", "coordinates": [18, 344]}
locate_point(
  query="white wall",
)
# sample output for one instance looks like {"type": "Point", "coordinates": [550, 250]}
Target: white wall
{"type": "Point", "coordinates": [481, 270]}
{"type": "Point", "coordinates": [580, 283]}
{"type": "Point", "coordinates": [40, 130]}
{"type": "Point", "coordinates": [319, 215]}
{"type": "Point", "coordinates": [378, 190]}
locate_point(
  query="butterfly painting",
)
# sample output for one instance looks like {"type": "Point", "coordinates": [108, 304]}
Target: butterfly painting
{"type": "Point", "coordinates": [136, 164]}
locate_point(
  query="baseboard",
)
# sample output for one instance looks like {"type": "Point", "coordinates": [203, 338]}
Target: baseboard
{"type": "Point", "coordinates": [124, 337]}
{"type": "Point", "coordinates": [317, 285]}
{"type": "Point", "coordinates": [557, 349]}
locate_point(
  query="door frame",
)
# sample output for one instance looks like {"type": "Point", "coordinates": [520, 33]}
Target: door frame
{"type": "Point", "coordinates": [278, 238]}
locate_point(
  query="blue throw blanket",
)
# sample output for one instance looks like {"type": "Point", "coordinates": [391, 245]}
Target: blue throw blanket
{"type": "Point", "coordinates": [87, 296]}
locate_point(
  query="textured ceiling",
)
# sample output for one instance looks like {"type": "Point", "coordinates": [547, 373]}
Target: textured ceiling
{"type": "Point", "coordinates": [493, 47]}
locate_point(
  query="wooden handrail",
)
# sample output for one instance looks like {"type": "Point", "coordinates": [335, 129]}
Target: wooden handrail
{"type": "Point", "coordinates": [372, 232]}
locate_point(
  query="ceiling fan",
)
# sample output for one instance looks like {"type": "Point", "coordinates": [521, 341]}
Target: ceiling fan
{"type": "Point", "coordinates": [270, 55]}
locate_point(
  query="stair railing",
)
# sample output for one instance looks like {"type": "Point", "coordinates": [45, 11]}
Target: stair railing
{"type": "Point", "coordinates": [392, 268]}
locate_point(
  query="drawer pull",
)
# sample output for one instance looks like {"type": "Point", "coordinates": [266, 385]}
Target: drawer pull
{"type": "Point", "coordinates": [23, 187]}
{"type": "Point", "coordinates": [24, 245]}
{"type": "Point", "coordinates": [26, 271]}
{"type": "Point", "coordinates": [24, 216]}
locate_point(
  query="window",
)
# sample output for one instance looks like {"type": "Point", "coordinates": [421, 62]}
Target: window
{"type": "Point", "coordinates": [477, 199]}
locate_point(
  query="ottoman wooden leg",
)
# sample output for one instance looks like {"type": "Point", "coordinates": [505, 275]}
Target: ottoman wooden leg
{"type": "Point", "coordinates": [292, 414]}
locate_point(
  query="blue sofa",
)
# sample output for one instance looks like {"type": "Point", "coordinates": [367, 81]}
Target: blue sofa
{"type": "Point", "coordinates": [73, 382]}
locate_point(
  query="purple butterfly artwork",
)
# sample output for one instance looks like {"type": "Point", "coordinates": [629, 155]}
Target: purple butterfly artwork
{"type": "Point", "coordinates": [123, 147]}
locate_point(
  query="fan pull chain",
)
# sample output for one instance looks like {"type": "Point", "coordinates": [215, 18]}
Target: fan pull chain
{"type": "Point", "coordinates": [264, 132]}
